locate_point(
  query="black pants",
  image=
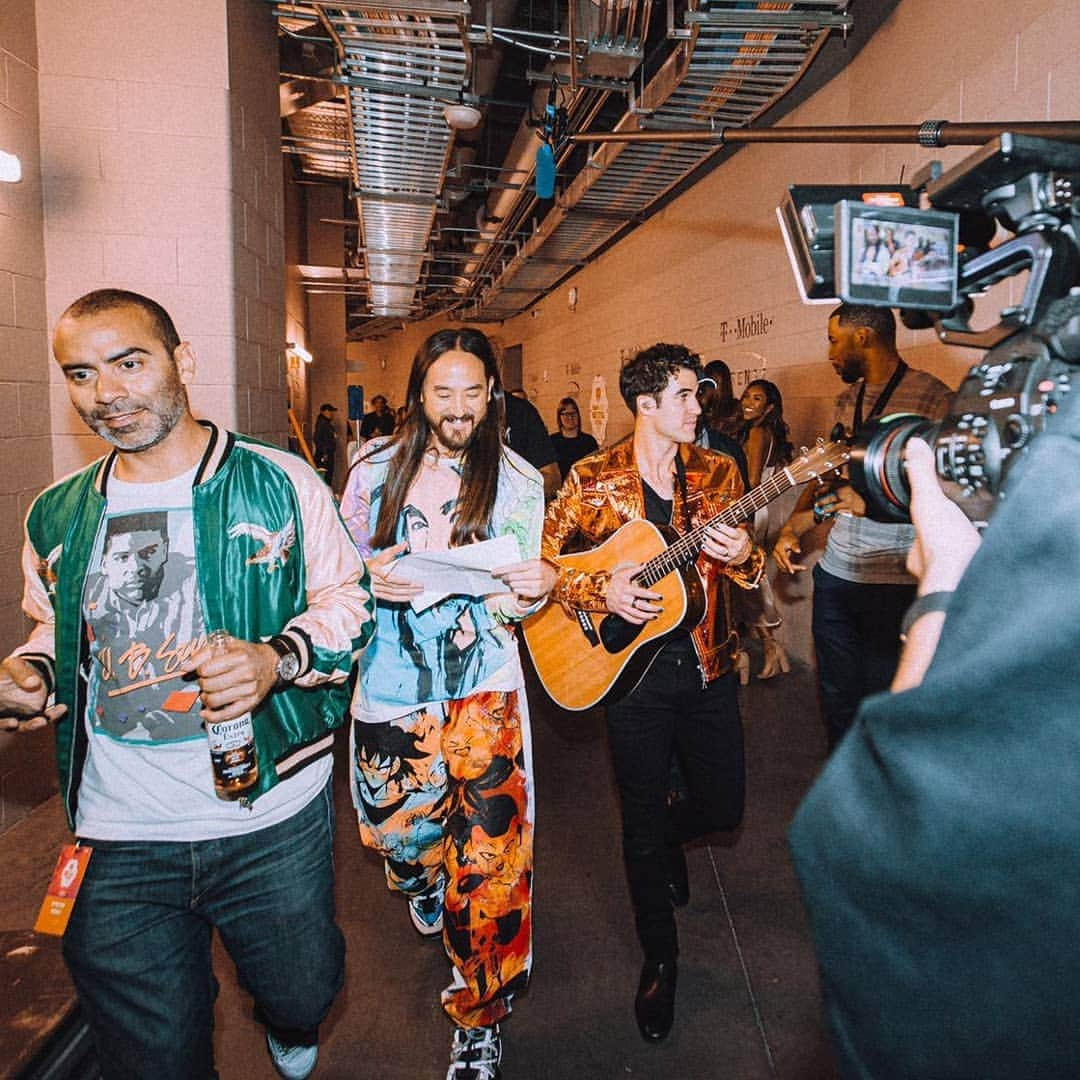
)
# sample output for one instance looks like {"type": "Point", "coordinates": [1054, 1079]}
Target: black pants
{"type": "Point", "coordinates": [857, 643]}
{"type": "Point", "coordinates": [670, 710]}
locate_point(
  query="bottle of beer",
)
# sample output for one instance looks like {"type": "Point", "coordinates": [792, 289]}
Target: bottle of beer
{"type": "Point", "coordinates": [232, 745]}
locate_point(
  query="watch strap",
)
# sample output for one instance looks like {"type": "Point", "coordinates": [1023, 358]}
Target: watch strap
{"type": "Point", "coordinates": [286, 648]}
{"type": "Point", "coordinates": [924, 605]}
{"type": "Point", "coordinates": [283, 646]}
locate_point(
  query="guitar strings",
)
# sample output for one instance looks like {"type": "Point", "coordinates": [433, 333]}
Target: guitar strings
{"type": "Point", "coordinates": [687, 547]}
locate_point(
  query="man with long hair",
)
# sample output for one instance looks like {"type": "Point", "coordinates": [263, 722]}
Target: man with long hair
{"type": "Point", "coordinates": [685, 704]}
{"type": "Point", "coordinates": [455, 828]}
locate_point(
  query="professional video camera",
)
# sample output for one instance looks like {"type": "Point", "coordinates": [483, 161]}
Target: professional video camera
{"type": "Point", "coordinates": [936, 260]}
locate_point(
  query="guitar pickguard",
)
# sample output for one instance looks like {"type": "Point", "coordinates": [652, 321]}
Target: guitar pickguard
{"type": "Point", "coordinates": [616, 633]}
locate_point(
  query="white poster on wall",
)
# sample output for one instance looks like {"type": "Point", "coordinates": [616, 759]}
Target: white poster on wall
{"type": "Point", "coordinates": [745, 367]}
{"type": "Point", "coordinates": [598, 409]}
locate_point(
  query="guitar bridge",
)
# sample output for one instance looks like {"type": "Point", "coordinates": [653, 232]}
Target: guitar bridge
{"type": "Point", "coordinates": [587, 628]}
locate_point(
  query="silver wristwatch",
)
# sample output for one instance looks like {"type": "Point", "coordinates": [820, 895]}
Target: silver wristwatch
{"type": "Point", "coordinates": [288, 665]}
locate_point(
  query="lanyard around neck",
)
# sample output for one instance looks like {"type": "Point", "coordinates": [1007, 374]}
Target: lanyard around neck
{"type": "Point", "coordinates": [882, 399]}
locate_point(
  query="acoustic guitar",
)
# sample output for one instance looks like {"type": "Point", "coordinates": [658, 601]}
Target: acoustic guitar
{"type": "Point", "coordinates": [591, 658]}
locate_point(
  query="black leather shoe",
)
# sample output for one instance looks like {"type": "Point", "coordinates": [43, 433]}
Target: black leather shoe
{"type": "Point", "coordinates": [678, 876]}
{"type": "Point", "coordinates": [654, 1006]}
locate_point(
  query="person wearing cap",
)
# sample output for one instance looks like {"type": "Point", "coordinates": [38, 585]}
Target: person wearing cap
{"type": "Point", "coordinates": [325, 440]}
{"type": "Point", "coordinates": [380, 421]}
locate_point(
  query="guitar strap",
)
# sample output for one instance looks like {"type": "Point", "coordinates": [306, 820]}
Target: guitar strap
{"type": "Point", "coordinates": [684, 497]}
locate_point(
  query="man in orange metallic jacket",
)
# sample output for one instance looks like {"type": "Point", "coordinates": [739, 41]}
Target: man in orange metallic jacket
{"type": "Point", "coordinates": [686, 701]}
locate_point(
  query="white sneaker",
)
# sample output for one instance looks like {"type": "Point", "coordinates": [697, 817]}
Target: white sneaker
{"type": "Point", "coordinates": [292, 1062]}
{"type": "Point", "coordinates": [475, 1054]}
{"type": "Point", "coordinates": [426, 912]}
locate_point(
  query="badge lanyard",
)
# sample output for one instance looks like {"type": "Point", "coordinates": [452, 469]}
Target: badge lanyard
{"type": "Point", "coordinates": [882, 400]}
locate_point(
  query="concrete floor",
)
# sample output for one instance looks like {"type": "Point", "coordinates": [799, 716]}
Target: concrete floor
{"type": "Point", "coordinates": [748, 1001]}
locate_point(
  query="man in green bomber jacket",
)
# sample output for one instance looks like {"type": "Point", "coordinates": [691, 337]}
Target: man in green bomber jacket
{"type": "Point", "coordinates": [129, 567]}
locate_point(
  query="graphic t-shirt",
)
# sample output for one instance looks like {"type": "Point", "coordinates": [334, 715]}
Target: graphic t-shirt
{"type": "Point", "coordinates": [147, 774]}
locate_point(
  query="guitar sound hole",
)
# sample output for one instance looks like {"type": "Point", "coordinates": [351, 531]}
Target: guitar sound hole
{"type": "Point", "coordinates": [616, 633]}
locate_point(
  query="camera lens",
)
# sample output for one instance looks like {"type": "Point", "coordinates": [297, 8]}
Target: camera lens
{"type": "Point", "coordinates": [877, 468]}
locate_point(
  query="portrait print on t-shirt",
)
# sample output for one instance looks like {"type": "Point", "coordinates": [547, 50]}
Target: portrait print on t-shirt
{"type": "Point", "coordinates": [143, 618]}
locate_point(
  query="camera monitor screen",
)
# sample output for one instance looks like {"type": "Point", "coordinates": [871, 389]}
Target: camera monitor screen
{"type": "Point", "coordinates": [807, 218]}
{"type": "Point", "coordinates": [896, 257]}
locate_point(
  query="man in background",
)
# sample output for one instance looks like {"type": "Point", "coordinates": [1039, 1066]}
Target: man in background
{"type": "Point", "coordinates": [325, 440]}
{"type": "Point", "coordinates": [125, 659]}
{"type": "Point", "coordinates": [380, 421]}
{"type": "Point", "coordinates": [526, 435]}
{"type": "Point", "coordinates": [861, 585]}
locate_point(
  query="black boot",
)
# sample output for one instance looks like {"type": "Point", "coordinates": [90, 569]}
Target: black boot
{"type": "Point", "coordinates": [654, 1005]}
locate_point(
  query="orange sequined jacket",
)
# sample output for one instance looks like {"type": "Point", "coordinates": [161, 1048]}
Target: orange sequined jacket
{"type": "Point", "coordinates": [604, 491]}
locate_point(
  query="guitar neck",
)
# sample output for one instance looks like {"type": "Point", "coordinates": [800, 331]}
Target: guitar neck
{"type": "Point", "coordinates": [687, 548]}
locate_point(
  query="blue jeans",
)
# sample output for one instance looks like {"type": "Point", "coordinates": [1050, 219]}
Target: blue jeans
{"type": "Point", "coordinates": [857, 641]}
{"type": "Point", "coordinates": [138, 944]}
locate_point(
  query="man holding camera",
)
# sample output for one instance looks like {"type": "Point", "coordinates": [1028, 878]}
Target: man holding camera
{"type": "Point", "coordinates": [937, 851]}
{"type": "Point", "coordinates": [861, 585]}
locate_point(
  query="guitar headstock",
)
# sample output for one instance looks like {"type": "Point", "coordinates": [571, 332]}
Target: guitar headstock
{"type": "Point", "coordinates": [818, 461]}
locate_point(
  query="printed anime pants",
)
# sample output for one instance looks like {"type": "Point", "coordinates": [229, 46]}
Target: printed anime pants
{"type": "Point", "coordinates": [445, 794]}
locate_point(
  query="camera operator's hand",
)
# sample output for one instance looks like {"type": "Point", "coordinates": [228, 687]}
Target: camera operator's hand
{"type": "Point", "coordinates": [944, 542]}
{"type": "Point", "coordinates": [945, 539]}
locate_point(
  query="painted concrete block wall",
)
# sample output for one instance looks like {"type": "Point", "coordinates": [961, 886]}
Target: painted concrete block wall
{"type": "Point", "coordinates": [710, 270]}
{"type": "Point", "coordinates": [258, 207]}
{"type": "Point", "coordinates": [160, 165]}
{"type": "Point", "coordinates": [24, 375]}
{"type": "Point", "coordinates": [27, 774]}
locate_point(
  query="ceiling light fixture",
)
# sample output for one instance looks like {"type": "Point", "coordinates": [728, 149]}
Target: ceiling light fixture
{"type": "Point", "coordinates": [298, 350]}
{"type": "Point", "coordinates": [462, 117]}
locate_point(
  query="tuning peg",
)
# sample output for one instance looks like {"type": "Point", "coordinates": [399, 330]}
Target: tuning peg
{"type": "Point", "coordinates": [804, 450]}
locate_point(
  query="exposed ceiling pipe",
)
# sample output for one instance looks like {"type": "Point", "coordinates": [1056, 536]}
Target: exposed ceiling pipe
{"type": "Point", "coordinates": [520, 162]}
{"type": "Point", "coordinates": [930, 133]}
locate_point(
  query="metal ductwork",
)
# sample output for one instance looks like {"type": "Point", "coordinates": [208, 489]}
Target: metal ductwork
{"type": "Point", "coordinates": [731, 64]}
{"type": "Point", "coordinates": [393, 66]}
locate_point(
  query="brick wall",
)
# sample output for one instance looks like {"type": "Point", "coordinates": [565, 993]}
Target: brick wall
{"type": "Point", "coordinates": [26, 771]}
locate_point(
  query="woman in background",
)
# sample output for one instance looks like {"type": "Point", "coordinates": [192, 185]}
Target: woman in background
{"type": "Point", "coordinates": [720, 422]}
{"type": "Point", "coordinates": [570, 442]}
{"type": "Point", "coordinates": [765, 441]}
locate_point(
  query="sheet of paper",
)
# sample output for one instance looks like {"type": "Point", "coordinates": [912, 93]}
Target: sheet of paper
{"type": "Point", "coordinates": [462, 571]}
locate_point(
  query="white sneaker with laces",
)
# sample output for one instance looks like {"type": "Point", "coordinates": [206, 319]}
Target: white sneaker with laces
{"type": "Point", "coordinates": [475, 1054]}
{"type": "Point", "coordinates": [426, 912]}
{"type": "Point", "coordinates": [292, 1062]}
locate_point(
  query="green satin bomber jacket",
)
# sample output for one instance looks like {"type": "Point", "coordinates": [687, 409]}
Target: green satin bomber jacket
{"type": "Point", "coordinates": [306, 582]}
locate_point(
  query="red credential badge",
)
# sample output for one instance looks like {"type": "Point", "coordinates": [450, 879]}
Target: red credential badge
{"type": "Point", "coordinates": [64, 886]}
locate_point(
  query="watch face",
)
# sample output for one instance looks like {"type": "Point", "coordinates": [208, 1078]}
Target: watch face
{"type": "Point", "coordinates": [288, 667]}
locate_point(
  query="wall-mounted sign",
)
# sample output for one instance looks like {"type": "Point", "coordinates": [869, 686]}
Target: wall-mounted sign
{"type": "Point", "coordinates": [745, 367]}
{"type": "Point", "coordinates": [743, 327]}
